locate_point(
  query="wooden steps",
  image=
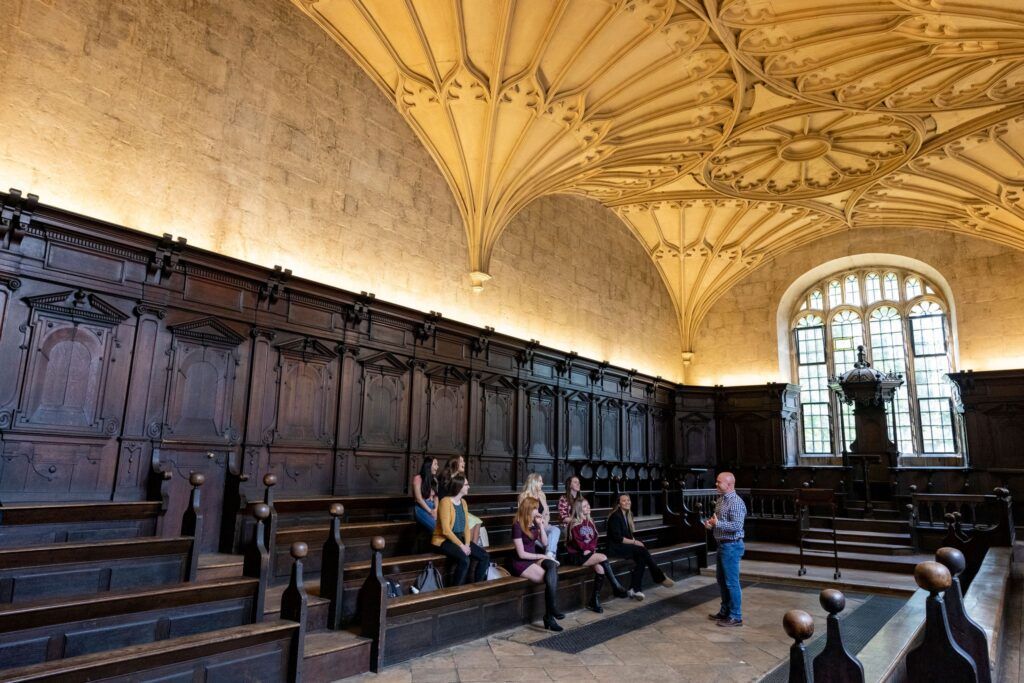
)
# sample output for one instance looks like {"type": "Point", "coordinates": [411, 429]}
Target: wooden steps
{"type": "Point", "coordinates": [846, 546]}
{"type": "Point", "coordinates": [790, 555]}
{"type": "Point", "coordinates": [332, 655]}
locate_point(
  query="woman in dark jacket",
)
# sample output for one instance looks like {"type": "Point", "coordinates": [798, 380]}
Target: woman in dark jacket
{"type": "Point", "coordinates": [621, 543]}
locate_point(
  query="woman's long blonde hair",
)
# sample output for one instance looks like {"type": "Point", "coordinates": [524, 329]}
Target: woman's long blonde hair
{"type": "Point", "coordinates": [628, 514]}
{"type": "Point", "coordinates": [578, 517]}
{"type": "Point", "coordinates": [532, 488]}
{"type": "Point", "coordinates": [524, 515]}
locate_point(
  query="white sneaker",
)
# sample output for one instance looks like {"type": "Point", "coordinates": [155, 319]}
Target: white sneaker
{"type": "Point", "coordinates": [636, 595]}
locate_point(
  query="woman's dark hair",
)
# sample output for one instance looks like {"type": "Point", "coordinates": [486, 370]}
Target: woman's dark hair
{"type": "Point", "coordinates": [456, 483]}
{"type": "Point", "coordinates": [569, 495]}
{"type": "Point", "coordinates": [428, 482]}
{"type": "Point", "coordinates": [447, 472]}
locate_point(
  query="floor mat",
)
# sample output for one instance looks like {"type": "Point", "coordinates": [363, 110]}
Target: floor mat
{"type": "Point", "coordinates": [858, 627]}
{"type": "Point", "coordinates": [584, 637]}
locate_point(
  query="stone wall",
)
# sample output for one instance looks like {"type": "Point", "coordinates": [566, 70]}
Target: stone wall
{"type": "Point", "coordinates": [738, 340]}
{"type": "Point", "coordinates": [241, 126]}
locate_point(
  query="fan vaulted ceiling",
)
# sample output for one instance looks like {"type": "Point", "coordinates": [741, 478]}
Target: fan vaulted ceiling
{"type": "Point", "coordinates": [723, 133]}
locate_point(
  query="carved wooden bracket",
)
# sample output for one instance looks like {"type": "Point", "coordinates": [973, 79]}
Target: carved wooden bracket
{"type": "Point", "coordinates": [165, 259]}
{"type": "Point", "coordinates": [16, 214]}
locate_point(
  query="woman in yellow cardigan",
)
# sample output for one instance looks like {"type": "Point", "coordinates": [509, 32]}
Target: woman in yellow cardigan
{"type": "Point", "coordinates": [453, 535]}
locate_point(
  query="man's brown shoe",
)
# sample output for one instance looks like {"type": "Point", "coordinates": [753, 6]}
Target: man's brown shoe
{"type": "Point", "coordinates": [717, 617]}
{"type": "Point", "coordinates": [730, 622]}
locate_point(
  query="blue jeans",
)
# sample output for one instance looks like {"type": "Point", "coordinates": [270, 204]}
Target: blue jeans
{"type": "Point", "coordinates": [425, 519]}
{"type": "Point", "coordinates": [553, 532]}
{"type": "Point", "coordinates": [727, 571]}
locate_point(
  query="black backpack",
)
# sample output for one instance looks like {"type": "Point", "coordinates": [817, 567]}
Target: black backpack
{"type": "Point", "coordinates": [429, 579]}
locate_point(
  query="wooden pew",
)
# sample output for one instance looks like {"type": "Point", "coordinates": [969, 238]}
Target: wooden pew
{"type": "Point", "coordinates": [37, 633]}
{"type": "Point", "coordinates": [22, 525]}
{"type": "Point", "coordinates": [65, 569]}
{"type": "Point", "coordinates": [267, 651]}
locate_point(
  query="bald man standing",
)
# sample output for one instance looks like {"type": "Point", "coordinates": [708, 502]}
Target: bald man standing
{"type": "Point", "coordinates": [727, 526]}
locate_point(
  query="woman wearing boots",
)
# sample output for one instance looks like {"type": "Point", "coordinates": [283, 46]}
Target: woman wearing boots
{"type": "Point", "coordinates": [527, 533]}
{"type": "Point", "coordinates": [621, 543]}
{"type": "Point", "coordinates": [582, 545]}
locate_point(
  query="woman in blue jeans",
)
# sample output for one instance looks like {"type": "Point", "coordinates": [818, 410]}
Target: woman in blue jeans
{"type": "Point", "coordinates": [424, 490]}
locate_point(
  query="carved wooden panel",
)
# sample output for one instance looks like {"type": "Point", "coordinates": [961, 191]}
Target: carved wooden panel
{"type": "Point", "coordinates": [307, 395]}
{"type": "Point", "coordinates": [577, 423]}
{"type": "Point", "coordinates": [385, 403]}
{"type": "Point", "coordinates": [376, 473]}
{"type": "Point", "coordinates": [301, 472]}
{"type": "Point", "coordinates": [56, 469]}
{"type": "Point", "coordinates": [608, 429]}
{"type": "Point", "coordinates": [213, 465]}
{"type": "Point", "coordinates": [494, 473]}
{"type": "Point", "coordinates": [697, 440]}
{"type": "Point", "coordinates": [498, 424]}
{"type": "Point", "coordinates": [636, 434]}
{"type": "Point", "coordinates": [201, 389]}
{"type": "Point", "coordinates": [540, 414]}
{"type": "Point", "coordinates": [447, 409]}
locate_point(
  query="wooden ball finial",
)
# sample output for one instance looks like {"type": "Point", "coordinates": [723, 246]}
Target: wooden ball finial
{"type": "Point", "coordinates": [337, 509]}
{"type": "Point", "coordinates": [261, 511]}
{"type": "Point", "coordinates": [197, 479]}
{"type": "Point", "coordinates": [952, 559]}
{"type": "Point", "coordinates": [299, 550]}
{"type": "Point", "coordinates": [932, 576]}
{"type": "Point", "coordinates": [377, 543]}
{"type": "Point", "coordinates": [269, 479]}
{"type": "Point", "coordinates": [799, 625]}
{"type": "Point", "coordinates": [832, 600]}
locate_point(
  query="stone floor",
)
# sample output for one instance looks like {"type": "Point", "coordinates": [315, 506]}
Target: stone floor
{"type": "Point", "coordinates": [684, 647]}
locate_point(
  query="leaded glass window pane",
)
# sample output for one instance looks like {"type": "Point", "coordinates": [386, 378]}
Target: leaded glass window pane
{"type": "Point", "coordinates": [812, 374]}
{"type": "Point", "coordinates": [888, 354]}
{"type": "Point", "coordinates": [873, 284]}
{"type": "Point", "coordinates": [817, 300]}
{"type": "Point", "coordinates": [913, 287]}
{"type": "Point", "coordinates": [852, 290]}
{"type": "Point", "coordinates": [931, 367]}
{"type": "Point", "coordinates": [891, 287]}
{"type": "Point", "coordinates": [835, 294]}
{"type": "Point", "coordinates": [847, 335]}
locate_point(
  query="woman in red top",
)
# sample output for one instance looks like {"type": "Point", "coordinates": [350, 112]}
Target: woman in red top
{"type": "Point", "coordinates": [582, 545]}
{"type": "Point", "coordinates": [527, 533]}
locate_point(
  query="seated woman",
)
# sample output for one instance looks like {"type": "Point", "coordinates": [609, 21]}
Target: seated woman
{"type": "Point", "coordinates": [424, 491]}
{"type": "Point", "coordinates": [527, 533]}
{"type": "Point", "coordinates": [622, 544]}
{"type": "Point", "coordinates": [534, 488]}
{"type": "Point", "coordinates": [452, 534]}
{"type": "Point", "coordinates": [581, 542]}
{"type": "Point", "coordinates": [457, 465]}
{"type": "Point", "coordinates": [567, 502]}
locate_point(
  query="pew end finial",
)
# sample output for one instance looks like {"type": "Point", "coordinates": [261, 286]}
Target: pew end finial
{"type": "Point", "coordinates": [952, 559]}
{"type": "Point", "coordinates": [261, 511]}
{"type": "Point", "coordinates": [299, 550]}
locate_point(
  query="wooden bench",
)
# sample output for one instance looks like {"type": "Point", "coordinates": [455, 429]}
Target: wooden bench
{"type": "Point", "coordinates": [424, 623]}
{"type": "Point", "coordinates": [22, 525]}
{"type": "Point", "coordinates": [41, 572]}
{"type": "Point", "coordinates": [266, 652]}
{"type": "Point", "coordinates": [37, 633]}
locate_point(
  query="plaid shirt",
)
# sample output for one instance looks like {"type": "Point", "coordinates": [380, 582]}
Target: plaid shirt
{"type": "Point", "coordinates": [731, 512]}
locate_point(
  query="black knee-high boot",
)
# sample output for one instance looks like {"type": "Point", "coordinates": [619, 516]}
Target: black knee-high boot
{"type": "Point", "coordinates": [595, 597]}
{"type": "Point", "coordinates": [550, 593]}
{"type": "Point", "coordinates": [617, 588]}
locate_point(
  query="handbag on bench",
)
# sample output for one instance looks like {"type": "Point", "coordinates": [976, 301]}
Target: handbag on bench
{"type": "Point", "coordinates": [429, 579]}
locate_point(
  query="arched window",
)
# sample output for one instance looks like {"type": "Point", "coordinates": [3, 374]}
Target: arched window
{"type": "Point", "coordinates": [902, 324]}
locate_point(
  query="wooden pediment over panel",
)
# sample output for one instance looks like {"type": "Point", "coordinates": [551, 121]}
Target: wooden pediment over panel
{"type": "Point", "coordinates": [540, 420]}
{"type": "Point", "coordinates": [498, 401]}
{"type": "Point", "coordinates": [78, 305]}
{"type": "Point", "coordinates": [203, 379]}
{"type": "Point", "coordinates": [384, 422]}
{"type": "Point", "coordinates": [577, 424]}
{"type": "Point", "coordinates": [207, 331]}
{"type": "Point", "coordinates": [307, 394]}
{"type": "Point", "coordinates": [447, 409]}
{"type": "Point", "coordinates": [72, 348]}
